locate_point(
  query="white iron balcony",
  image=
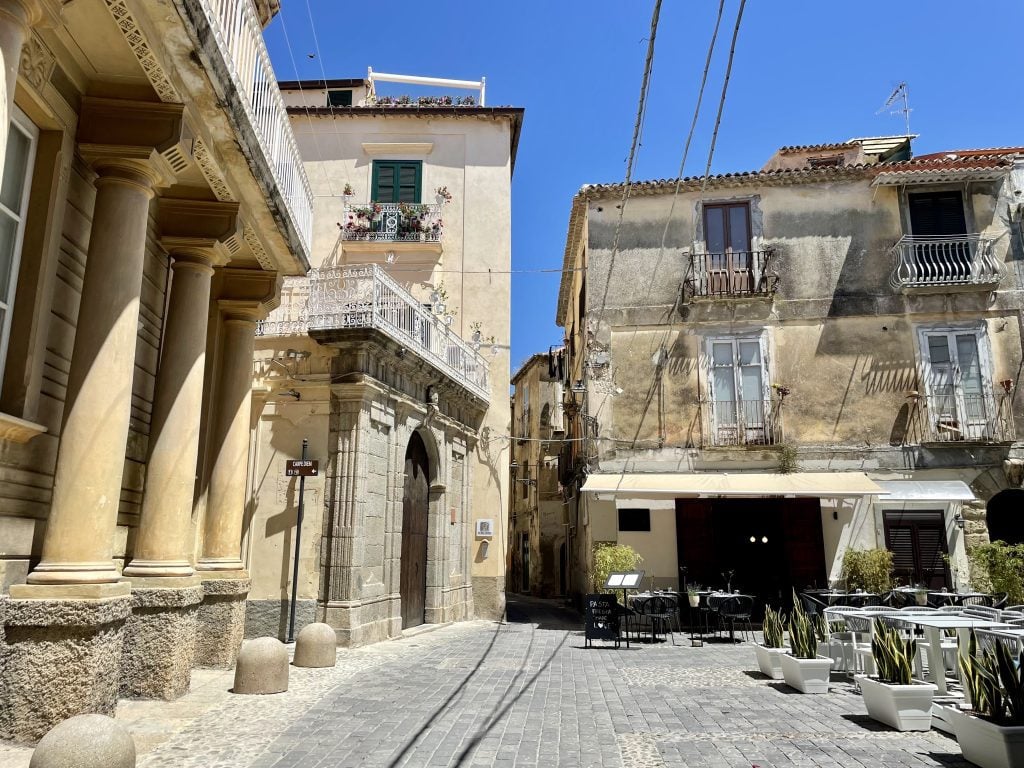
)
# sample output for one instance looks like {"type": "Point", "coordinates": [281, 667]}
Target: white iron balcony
{"type": "Point", "coordinates": [957, 262]}
{"type": "Point", "coordinates": [392, 223]}
{"type": "Point", "coordinates": [238, 34]}
{"type": "Point", "coordinates": [365, 297]}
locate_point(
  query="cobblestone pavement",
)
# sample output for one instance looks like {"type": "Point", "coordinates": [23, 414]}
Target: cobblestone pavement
{"type": "Point", "coordinates": [527, 693]}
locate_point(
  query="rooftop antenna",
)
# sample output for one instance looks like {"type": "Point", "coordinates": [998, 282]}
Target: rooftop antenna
{"type": "Point", "coordinates": [900, 91]}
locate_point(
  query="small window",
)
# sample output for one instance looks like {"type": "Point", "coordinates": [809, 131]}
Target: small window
{"type": "Point", "coordinates": [340, 98]}
{"type": "Point", "coordinates": [14, 192]}
{"type": "Point", "coordinates": [727, 227]}
{"type": "Point", "coordinates": [634, 519]}
{"type": "Point", "coordinates": [832, 161]}
{"type": "Point", "coordinates": [397, 181]}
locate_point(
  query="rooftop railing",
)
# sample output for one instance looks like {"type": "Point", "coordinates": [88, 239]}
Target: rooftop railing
{"type": "Point", "coordinates": [239, 37]}
{"type": "Point", "coordinates": [731, 274]}
{"type": "Point", "coordinates": [364, 296]}
{"type": "Point", "coordinates": [948, 260]}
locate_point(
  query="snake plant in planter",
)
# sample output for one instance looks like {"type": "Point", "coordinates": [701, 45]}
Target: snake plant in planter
{"type": "Point", "coordinates": [993, 735]}
{"type": "Point", "coordinates": [892, 697]}
{"type": "Point", "coordinates": [769, 653]}
{"type": "Point", "coordinates": [803, 669]}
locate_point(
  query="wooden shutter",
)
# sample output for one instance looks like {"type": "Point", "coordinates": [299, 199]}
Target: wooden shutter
{"type": "Point", "coordinates": [937, 213]}
{"type": "Point", "coordinates": [917, 541]}
{"type": "Point", "coordinates": [397, 181]}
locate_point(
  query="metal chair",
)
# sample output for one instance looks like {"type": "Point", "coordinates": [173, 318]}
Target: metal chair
{"type": "Point", "coordinates": [661, 610]}
{"type": "Point", "coordinates": [985, 601]}
{"type": "Point", "coordinates": [863, 601]}
{"type": "Point", "coordinates": [812, 606]}
{"type": "Point", "coordinates": [738, 608]}
{"type": "Point", "coordinates": [999, 600]}
{"type": "Point", "coordinates": [982, 612]}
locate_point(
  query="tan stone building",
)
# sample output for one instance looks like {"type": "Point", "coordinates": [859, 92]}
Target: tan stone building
{"type": "Point", "coordinates": [391, 358]}
{"type": "Point", "coordinates": [152, 199]}
{"type": "Point", "coordinates": [538, 546]}
{"type": "Point", "coordinates": [819, 355]}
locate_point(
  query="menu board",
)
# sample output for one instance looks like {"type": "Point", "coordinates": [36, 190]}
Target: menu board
{"type": "Point", "coordinates": [602, 619]}
{"type": "Point", "coordinates": [624, 580]}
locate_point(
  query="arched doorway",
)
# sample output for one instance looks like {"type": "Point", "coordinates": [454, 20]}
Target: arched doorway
{"type": "Point", "coordinates": [1005, 516]}
{"type": "Point", "coordinates": [415, 510]}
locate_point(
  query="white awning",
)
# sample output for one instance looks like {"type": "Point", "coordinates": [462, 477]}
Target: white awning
{"type": "Point", "coordinates": [926, 490]}
{"type": "Point", "coordinates": [751, 484]}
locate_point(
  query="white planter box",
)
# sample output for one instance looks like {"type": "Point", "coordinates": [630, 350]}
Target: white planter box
{"type": "Point", "coordinates": [986, 744]}
{"type": "Point", "coordinates": [806, 675]}
{"type": "Point", "coordinates": [769, 661]}
{"type": "Point", "coordinates": [904, 707]}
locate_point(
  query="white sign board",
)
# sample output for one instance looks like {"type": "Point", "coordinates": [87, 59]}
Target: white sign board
{"type": "Point", "coordinates": [484, 529]}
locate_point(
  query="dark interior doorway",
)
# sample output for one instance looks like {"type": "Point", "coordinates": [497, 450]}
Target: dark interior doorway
{"type": "Point", "coordinates": [1005, 516]}
{"type": "Point", "coordinates": [415, 510]}
{"type": "Point", "coordinates": [771, 545]}
{"type": "Point", "coordinates": [917, 540]}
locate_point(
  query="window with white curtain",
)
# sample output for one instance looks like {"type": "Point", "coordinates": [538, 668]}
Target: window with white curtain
{"type": "Point", "coordinates": [738, 383]}
{"type": "Point", "coordinates": [14, 192]}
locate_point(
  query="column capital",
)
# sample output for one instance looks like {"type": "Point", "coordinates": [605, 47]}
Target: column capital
{"type": "Point", "coordinates": [199, 231]}
{"type": "Point", "coordinates": [246, 293]}
{"type": "Point", "coordinates": [29, 13]}
{"type": "Point", "coordinates": [140, 137]}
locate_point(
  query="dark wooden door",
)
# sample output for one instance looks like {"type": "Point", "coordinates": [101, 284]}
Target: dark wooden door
{"type": "Point", "coordinates": [415, 506]}
{"type": "Point", "coordinates": [917, 540]}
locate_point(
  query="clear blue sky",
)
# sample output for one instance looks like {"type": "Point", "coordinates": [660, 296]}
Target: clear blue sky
{"type": "Point", "coordinates": [805, 72]}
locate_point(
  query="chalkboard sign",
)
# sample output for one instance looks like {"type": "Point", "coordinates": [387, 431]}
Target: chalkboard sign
{"type": "Point", "coordinates": [602, 619]}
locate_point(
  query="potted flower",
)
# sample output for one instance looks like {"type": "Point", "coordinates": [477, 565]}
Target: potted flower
{"type": "Point", "coordinates": [769, 653]}
{"type": "Point", "coordinates": [892, 697]}
{"type": "Point", "coordinates": [802, 668]}
{"type": "Point", "coordinates": [992, 736]}
{"type": "Point", "coordinates": [442, 195]}
{"type": "Point", "coordinates": [347, 193]}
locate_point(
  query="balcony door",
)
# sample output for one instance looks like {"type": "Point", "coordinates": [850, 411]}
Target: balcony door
{"type": "Point", "coordinates": [956, 370]}
{"type": "Point", "coordinates": [728, 260]}
{"type": "Point", "coordinates": [739, 398]}
{"type": "Point", "coordinates": [939, 227]}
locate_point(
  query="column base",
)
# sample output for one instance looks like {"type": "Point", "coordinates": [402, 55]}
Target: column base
{"type": "Point", "coordinates": [61, 654]}
{"type": "Point", "coordinates": [269, 618]}
{"type": "Point", "coordinates": [160, 639]}
{"type": "Point", "coordinates": [221, 621]}
{"type": "Point", "coordinates": [366, 621]}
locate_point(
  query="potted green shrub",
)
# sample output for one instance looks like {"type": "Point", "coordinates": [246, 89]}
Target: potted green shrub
{"type": "Point", "coordinates": [693, 595]}
{"type": "Point", "coordinates": [769, 653]}
{"type": "Point", "coordinates": [892, 697]}
{"type": "Point", "coordinates": [992, 734]}
{"type": "Point", "coordinates": [802, 668]}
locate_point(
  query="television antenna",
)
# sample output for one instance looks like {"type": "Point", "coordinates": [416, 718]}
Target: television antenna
{"type": "Point", "coordinates": [899, 92]}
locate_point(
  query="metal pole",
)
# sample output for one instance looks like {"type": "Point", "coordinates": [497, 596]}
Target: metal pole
{"type": "Point", "coordinates": [298, 541]}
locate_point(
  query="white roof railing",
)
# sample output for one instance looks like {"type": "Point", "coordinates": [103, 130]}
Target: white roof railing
{"type": "Point", "coordinates": [479, 86]}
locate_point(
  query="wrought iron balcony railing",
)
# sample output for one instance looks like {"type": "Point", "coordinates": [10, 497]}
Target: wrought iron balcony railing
{"type": "Point", "coordinates": [393, 222]}
{"type": "Point", "coordinates": [736, 273]}
{"type": "Point", "coordinates": [950, 260]}
{"type": "Point", "coordinates": [364, 296]}
{"type": "Point", "coordinates": [239, 37]}
{"type": "Point", "coordinates": [955, 417]}
{"type": "Point", "coordinates": [743, 422]}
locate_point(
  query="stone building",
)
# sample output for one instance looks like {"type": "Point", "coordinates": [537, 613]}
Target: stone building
{"type": "Point", "coordinates": [537, 540]}
{"type": "Point", "coordinates": [152, 199]}
{"type": "Point", "coordinates": [391, 358]}
{"type": "Point", "coordinates": [819, 355]}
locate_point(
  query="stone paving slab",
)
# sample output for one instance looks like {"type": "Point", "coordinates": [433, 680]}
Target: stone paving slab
{"type": "Point", "coordinates": [529, 694]}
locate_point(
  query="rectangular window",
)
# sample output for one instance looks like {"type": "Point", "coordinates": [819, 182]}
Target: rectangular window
{"type": "Point", "coordinates": [339, 98]}
{"type": "Point", "coordinates": [917, 540]}
{"type": "Point", "coordinates": [634, 519]}
{"type": "Point", "coordinates": [14, 193]}
{"type": "Point", "coordinates": [934, 214]}
{"type": "Point", "coordinates": [397, 181]}
{"type": "Point", "coordinates": [960, 402]}
{"type": "Point", "coordinates": [740, 403]}
{"type": "Point", "coordinates": [729, 262]}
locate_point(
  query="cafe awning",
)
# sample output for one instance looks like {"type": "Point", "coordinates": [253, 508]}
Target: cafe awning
{"type": "Point", "coordinates": [926, 490]}
{"type": "Point", "coordinates": [716, 484]}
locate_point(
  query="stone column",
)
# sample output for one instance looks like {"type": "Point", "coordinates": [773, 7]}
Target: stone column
{"type": "Point", "coordinates": [225, 580]}
{"type": "Point", "coordinates": [64, 629]}
{"type": "Point", "coordinates": [159, 649]}
{"type": "Point", "coordinates": [16, 19]}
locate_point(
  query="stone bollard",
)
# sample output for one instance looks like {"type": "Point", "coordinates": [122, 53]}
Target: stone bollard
{"type": "Point", "coordinates": [262, 667]}
{"type": "Point", "coordinates": [316, 646]}
{"type": "Point", "coordinates": [85, 741]}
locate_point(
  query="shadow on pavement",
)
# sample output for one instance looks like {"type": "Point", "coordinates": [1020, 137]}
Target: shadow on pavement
{"type": "Point", "coordinates": [545, 613]}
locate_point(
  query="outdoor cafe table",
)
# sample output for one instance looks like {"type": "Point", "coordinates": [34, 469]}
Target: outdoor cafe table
{"type": "Point", "coordinates": [933, 624]}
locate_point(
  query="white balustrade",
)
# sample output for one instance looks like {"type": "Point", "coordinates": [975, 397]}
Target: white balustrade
{"type": "Point", "coordinates": [944, 260]}
{"type": "Point", "coordinates": [239, 38]}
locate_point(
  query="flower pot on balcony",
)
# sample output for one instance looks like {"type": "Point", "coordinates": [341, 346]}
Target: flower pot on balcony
{"type": "Point", "coordinates": [903, 707]}
{"type": "Point", "coordinates": [985, 743]}
{"type": "Point", "coordinates": [769, 660]}
{"type": "Point", "coordinates": [806, 675]}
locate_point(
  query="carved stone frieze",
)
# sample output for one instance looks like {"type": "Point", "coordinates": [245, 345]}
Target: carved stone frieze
{"type": "Point", "coordinates": [37, 62]}
{"type": "Point", "coordinates": [208, 166]}
{"type": "Point", "coordinates": [142, 50]}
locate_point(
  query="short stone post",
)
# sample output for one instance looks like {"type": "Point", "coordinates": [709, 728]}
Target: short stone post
{"type": "Point", "coordinates": [262, 667]}
{"type": "Point", "coordinates": [316, 646]}
{"type": "Point", "coordinates": [85, 741]}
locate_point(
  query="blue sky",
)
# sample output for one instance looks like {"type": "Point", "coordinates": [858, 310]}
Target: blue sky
{"type": "Point", "coordinates": [805, 72]}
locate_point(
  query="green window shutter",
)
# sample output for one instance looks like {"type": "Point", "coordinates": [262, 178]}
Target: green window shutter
{"type": "Point", "coordinates": [396, 181]}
